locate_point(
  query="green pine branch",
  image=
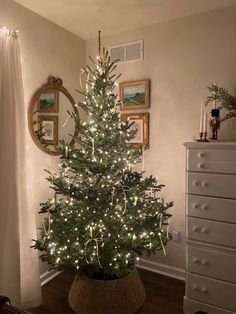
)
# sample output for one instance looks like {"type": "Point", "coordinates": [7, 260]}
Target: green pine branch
{"type": "Point", "coordinates": [226, 100]}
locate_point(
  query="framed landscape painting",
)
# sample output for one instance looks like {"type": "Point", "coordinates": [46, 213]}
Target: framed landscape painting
{"type": "Point", "coordinates": [134, 95]}
{"type": "Point", "coordinates": [140, 122]}
{"type": "Point", "coordinates": [48, 129]}
{"type": "Point", "coordinates": [48, 101]}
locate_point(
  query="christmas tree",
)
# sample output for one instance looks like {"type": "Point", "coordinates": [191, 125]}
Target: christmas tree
{"type": "Point", "coordinates": [104, 214]}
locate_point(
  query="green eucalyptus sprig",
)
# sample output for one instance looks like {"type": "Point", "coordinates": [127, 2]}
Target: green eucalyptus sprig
{"type": "Point", "coordinates": [227, 101]}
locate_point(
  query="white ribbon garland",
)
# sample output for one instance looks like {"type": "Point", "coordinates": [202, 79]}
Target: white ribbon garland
{"type": "Point", "coordinates": [125, 198]}
{"type": "Point", "coordinates": [112, 196]}
{"type": "Point", "coordinates": [161, 216]}
{"type": "Point", "coordinates": [163, 247]}
{"type": "Point", "coordinates": [143, 159]}
{"type": "Point", "coordinates": [80, 78]}
{"type": "Point", "coordinates": [87, 79]}
{"type": "Point", "coordinates": [47, 232]}
{"type": "Point", "coordinates": [160, 226]}
{"type": "Point", "coordinates": [93, 149]}
{"type": "Point", "coordinates": [96, 240]}
{"type": "Point", "coordinates": [66, 121]}
{"type": "Point", "coordinates": [168, 228]}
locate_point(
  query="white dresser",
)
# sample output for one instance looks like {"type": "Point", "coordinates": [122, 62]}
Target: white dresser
{"type": "Point", "coordinates": [210, 228]}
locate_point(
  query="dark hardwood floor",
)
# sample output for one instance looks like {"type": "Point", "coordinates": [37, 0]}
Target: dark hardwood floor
{"type": "Point", "coordinates": [164, 295]}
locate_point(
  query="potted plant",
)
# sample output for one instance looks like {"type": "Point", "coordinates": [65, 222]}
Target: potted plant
{"type": "Point", "coordinates": [226, 100]}
{"type": "Point", "coordinates": [104, 214]}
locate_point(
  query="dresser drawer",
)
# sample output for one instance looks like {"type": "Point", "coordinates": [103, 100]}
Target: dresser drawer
{"type": "Point", "coordinates": [212, 231]}
{"type": "Point", "coordinates": [210, 262]}
{"type": "Point", "coordinates": [195, 307]}
{"type": "Point", "coordinates": [211, 208]}
{"type": "Point", "coordinates": [220, 161]}
{"type": "Point", "coordinates": [218, 155]}
{"type": "Point", "coordinates": [212, 166]}
{"type": "Point", "coordinates": [211, 291]}
{"type": "Point", "coordinates": [212, 184]}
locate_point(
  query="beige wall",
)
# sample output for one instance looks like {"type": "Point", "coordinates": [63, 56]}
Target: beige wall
{"type": "Point", "coordinates": [182, 57]}
{"type": "Point", "coordinates": [45, 49]}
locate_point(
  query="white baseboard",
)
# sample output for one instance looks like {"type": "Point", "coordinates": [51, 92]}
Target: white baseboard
{"type": "Point", "coordinates": [48, 275]}
{"type": "Point", "coordinates": [162, 269]}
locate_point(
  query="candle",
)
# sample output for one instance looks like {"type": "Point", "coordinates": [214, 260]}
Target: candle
{"type": "Point", "coordinates": [205, 123]}
{"type": "Point", "coordinates": [201, 118]}
{"type": "Point", "coordinates": [66, 151]}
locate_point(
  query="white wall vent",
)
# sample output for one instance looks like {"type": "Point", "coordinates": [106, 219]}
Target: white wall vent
{"type": "Point", "coordinates": [132, 51]}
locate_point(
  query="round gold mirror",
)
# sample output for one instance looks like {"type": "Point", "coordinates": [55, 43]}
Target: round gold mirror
{"type": "Point", "coordinates": [48, 118]}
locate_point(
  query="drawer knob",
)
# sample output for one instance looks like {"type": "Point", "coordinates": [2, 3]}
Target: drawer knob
{"type": "Point", "coordinates": [200, 166]}
{"type": "Point", "coordinates": [204, 230]}
{"type": "Point", "coordinates": [195, 205]}
{"type": "Point", "coordinates": [195, 287]}
{"type": "Point", "coordinates": [204, 290]}
{"type": "Point", "coordinates": [196, 260]}
{"type": "Point", "coordinates": [195, 228]}
{"type": "Point", "coordinates": [204, 184]}
{"type": "Point", "coordinates": [201, 154]}
{"type": "Point", "coordinates": [204, 207]}
{"type": "Point", "coordinates": [204, 262]}
{"type": "Point", "coordinates": [195, 183]}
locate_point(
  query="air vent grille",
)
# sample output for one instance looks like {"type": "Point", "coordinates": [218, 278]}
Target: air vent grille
{"type": "Point", "coordinates": [132, 51]}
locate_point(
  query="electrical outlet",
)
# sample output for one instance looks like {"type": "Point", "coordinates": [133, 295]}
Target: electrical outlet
{"type": "Point", "coordinates": [175, 236]}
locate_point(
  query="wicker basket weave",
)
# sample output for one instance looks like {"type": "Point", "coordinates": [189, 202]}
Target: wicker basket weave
{"type": "Point", "coordinates": [121, 296]}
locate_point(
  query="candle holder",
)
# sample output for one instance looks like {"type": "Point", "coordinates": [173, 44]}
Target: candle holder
{"type": "Point", "coordinates": [200, 137]}
{"type": "Point", "coordinates": [215, 124]}
{"type": "Point", "coordinates": [205, 137]}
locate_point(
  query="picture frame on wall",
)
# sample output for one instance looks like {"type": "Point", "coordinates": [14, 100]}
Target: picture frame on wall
{"type": "Point", "coordinates": [48, 126]}
{"type": "Point", "coordinates": [48, 101]}
{"type": "Point", "coordinates": [139, 121]}
{"type": "Point", "coordinates": [134, 95]}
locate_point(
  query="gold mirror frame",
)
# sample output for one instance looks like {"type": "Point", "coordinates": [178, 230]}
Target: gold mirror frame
{"type": "Point", "coordinates": [53, 84]}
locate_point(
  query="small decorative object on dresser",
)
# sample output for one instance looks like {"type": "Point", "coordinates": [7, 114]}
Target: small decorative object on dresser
{"type": "Point", "coordinates": [215, 124]}
{"type": "Point", "coordinates": [211, 228]}
{"type": "Point", "coordinates": [203, 125]}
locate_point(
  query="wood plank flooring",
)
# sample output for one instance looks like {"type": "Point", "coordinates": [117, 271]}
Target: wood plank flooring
{"type": "Point", "coordinates": [164, 295]}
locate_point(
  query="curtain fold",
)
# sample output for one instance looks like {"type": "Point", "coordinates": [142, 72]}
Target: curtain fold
{"type": "Point", "coordinates": [19, 269]}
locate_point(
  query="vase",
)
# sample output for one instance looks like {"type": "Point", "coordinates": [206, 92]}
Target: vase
{"type": "Point", "coordinates": [120, 296]}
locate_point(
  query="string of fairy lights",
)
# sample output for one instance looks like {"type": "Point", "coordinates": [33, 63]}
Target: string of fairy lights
{"type": "Point", "coordinates": [103, 213]}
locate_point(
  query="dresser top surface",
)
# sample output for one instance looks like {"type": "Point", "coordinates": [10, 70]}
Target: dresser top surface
{"type": "Point", "coordinates": [211, 145]}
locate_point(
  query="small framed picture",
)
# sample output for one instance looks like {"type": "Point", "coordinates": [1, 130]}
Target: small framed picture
{"type": "Point", "coordinates": [134, 95]}
{"type": "Point", "coordinates": [48, 126]}
{"type": "Point", "coordinates": [139, 121]}
{"type": "Point", "coordinates": [48, 101]}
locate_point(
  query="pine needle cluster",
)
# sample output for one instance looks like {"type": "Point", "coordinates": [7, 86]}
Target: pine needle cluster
{"type": "Point", "coordinates": [227, 101]}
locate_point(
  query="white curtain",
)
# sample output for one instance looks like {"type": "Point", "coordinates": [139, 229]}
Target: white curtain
{"type": "Point", "coordinates": [19, 269]}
